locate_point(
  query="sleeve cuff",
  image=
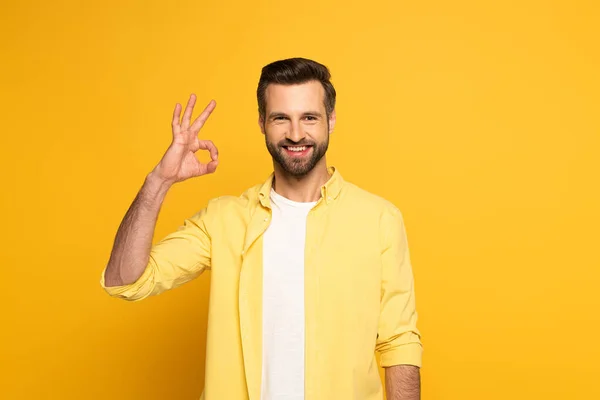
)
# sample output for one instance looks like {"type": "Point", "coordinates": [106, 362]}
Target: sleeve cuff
{"type": "Point", "coordinates": [406, 354]}
{"type": "Point", "coordinates": [135, 291]}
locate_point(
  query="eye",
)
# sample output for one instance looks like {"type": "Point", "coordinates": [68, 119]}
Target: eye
{"type": "Point", "coordinates": [279, 118]}
{"type": "Point", "coordinates": [311, 118]}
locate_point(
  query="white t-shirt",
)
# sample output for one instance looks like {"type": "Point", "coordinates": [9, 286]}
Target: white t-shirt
{"type": "Point", "coordinates": [283, 300]}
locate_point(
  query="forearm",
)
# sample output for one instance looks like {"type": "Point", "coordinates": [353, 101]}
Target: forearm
{"type": "Point", "coordinates": [133, 242]}
{"type": "Point", "coordinates": [403, 382]}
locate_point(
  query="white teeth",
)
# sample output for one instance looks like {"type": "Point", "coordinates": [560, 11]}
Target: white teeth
{"type": "Point", "coordinates": [300, 148]}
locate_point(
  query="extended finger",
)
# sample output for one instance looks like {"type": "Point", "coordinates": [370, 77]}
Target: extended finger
{"type": "Point", "coordinates": [187, 115]}
{"type": "Point", "coordinates": [210, 146]}
{"type": "Point", "coordinates": [176, 117]}
{"type": "Point", "coordinates": [199, 122]}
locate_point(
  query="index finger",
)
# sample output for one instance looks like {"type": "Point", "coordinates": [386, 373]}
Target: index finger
{"type": "Point", "coordinates": [199, 122]}
{"type": "Point", "coordinates": [210, 146]}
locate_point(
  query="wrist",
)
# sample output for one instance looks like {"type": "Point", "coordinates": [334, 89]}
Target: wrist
{"type": "Point", "coordinates": [157, 183]}
{"type": "Point", "coordinates": [157, 178]}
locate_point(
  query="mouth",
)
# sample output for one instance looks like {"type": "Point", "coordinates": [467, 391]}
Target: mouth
{"type": "Point", "coordinates": [297, 151]}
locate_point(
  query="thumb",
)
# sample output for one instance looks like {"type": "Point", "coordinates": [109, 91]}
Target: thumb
{"type": "Point", "coordinates": [212, 166]}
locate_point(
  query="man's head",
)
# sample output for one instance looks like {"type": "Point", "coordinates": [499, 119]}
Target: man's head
{"type": "Point", "coordinates": [296, 106]}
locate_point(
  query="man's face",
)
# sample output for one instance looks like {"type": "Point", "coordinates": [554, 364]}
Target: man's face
{"type": "Point", "coordinates": [296, 126]}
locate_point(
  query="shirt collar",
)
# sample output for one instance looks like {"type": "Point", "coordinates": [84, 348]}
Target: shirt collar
{"type": "Point", "coordinates": [329, 191]}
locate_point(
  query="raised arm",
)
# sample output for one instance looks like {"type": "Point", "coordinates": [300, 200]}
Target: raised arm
{"type": "Point", "coordinates": [131, 253]}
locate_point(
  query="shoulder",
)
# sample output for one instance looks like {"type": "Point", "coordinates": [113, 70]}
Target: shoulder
{"type": "Point", "coordinates": [369, 201]}
{"type": "Point", "coordinates": [227, 210]}
{"type": "Point", "coordinates": [230, 204]}
{"type": "Point", "coordinates": [375, 211]}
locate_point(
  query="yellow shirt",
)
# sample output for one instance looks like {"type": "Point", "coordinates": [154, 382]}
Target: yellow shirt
{"type": "Point", "coordinates": [359, 293]}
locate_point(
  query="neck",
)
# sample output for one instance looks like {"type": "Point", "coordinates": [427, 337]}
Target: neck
{"type": "Point", "coordinates": [302, 189]}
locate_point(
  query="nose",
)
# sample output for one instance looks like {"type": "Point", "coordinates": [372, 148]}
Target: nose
{"type": "Point", "coordinates": [296, 132]}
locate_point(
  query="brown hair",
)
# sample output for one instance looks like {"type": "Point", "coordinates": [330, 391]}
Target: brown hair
{"type": "Point", "coordinates": [294, 71]}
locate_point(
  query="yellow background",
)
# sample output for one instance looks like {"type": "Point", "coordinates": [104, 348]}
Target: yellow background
{"type": "Point", "coordinates": [480, 120]}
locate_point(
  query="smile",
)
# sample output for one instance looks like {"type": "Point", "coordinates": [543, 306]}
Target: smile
{"type": "Point", "coordinates": [297, 150]}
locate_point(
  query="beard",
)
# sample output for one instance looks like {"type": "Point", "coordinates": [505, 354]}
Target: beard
{"type": "Point", "coordinates": [295, 166]}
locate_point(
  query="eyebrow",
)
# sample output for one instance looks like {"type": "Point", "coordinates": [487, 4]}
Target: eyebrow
{"type": "Point", "coordinates": [276, 114]}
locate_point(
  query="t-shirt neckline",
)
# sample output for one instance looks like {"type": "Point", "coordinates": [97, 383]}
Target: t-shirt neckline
{"type": "Point", "coordinates": [276, 197]}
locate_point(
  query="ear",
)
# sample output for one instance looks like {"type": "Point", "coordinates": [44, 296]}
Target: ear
{"type": "Point", "coordinates": [331, 121]}
{"type": "Point", "coordinates": [261, 124]}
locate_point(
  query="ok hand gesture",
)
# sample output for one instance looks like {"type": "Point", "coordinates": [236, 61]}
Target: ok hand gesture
{"type": "Point", "coordinates": [179, 161]}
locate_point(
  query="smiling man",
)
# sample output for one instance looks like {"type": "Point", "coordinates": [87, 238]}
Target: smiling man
{"type": "Point", "coordinates": [311, 275]}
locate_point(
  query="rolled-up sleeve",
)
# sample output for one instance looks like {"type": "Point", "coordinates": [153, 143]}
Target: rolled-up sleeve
{"type": "Point", "coordinates": [178, 258]}
{"type": "Point", "coordinates": [398, 339]}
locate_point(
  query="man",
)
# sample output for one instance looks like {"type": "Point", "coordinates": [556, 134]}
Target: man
{"type": "Point", "coordinates": [310, 274]}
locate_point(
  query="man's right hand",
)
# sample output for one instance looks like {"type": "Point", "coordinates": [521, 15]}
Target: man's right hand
{"type": "Point", "coordinates": [179, 161]}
